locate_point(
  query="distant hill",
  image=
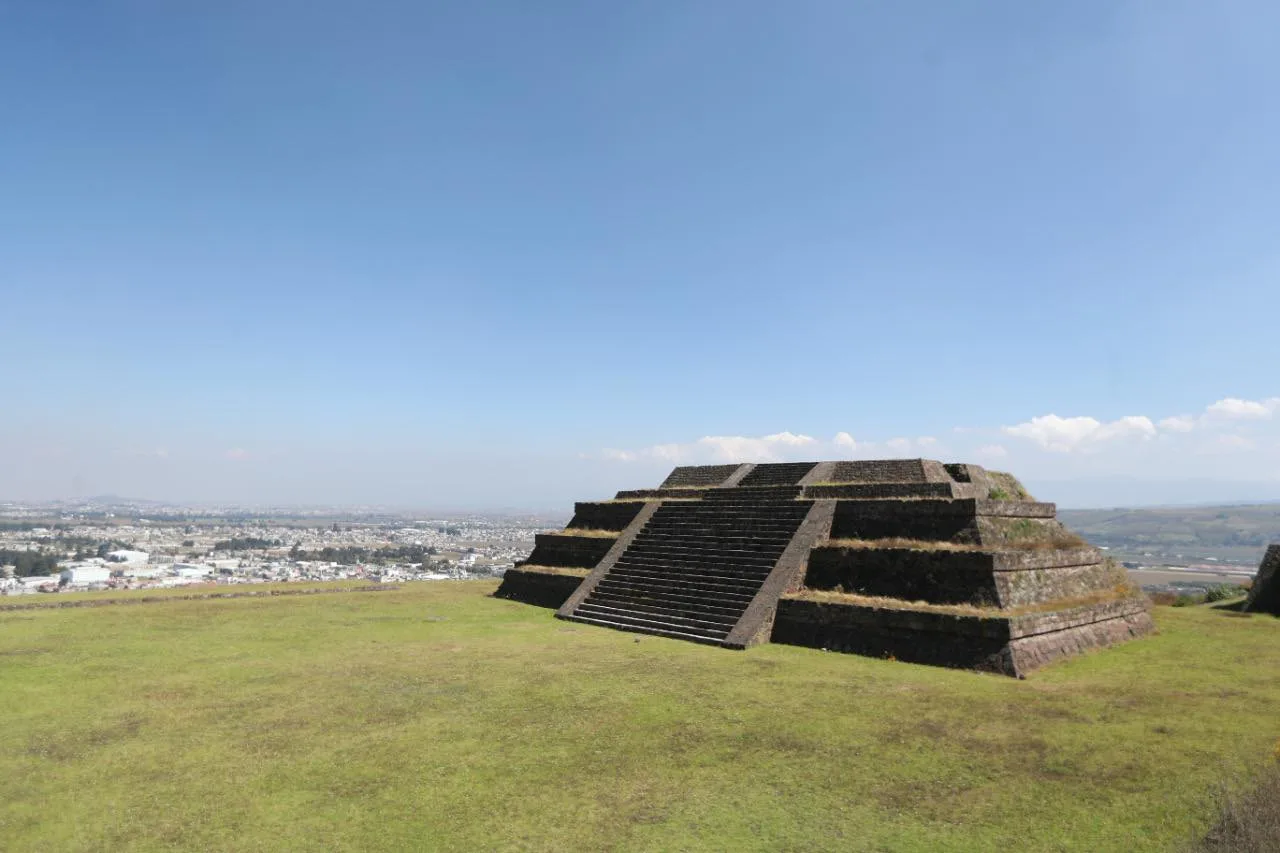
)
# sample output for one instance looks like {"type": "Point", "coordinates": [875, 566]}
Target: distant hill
{"type": "Point", "coordinates": [1228, 533]}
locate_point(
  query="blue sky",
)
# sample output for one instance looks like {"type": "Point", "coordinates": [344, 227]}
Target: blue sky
{"type": "Point", "coordinates": [510, 254]}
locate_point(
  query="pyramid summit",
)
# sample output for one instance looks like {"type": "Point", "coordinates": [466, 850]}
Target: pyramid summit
{"type": "Point", "coordinates": [917, 560]}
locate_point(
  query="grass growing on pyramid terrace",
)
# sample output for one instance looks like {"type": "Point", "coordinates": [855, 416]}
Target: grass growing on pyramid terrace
{"type": "Point", "coordinates": [434, 717]}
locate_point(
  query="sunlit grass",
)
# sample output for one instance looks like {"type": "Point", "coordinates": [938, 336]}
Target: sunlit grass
{"type": "Point", "coordinates": [434, 717]}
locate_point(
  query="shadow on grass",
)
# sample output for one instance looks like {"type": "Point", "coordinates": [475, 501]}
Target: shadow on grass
{"type": "Point", "coordinates": [1236, 608]}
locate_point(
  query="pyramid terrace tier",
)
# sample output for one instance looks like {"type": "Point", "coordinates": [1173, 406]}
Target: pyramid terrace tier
{"type": "Point", "coordinates": [1003, 579]}
{"type": "Point", "coordinates": [1010, 645]}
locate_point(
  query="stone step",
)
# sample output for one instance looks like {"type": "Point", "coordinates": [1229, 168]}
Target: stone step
{"type": "Point", "coordinates": [640, 629]}
{"type": "Point", "coordinates": [689, 575]}
{"type": "Point", "coordinates": [672, 601]}
{"type": "Point", "coordinates": [686, 560]}
{"type": "Point", "coordinates": [776, 544]}
{"type": "Point", "coordinates": [728, 519]}
{"type": "Point", "coordinates": [712, 594]}
{"type": "Point", "coordinates": [721, 507]}
{"type": "Point", "coordinates": [719, 616]}
{"type": "Point", "coordinates": [714, 536]}
{"type": "Point", "coordinates": [746, 487]}
{"type": "Point", "coordinates": [683, 623]}
{"type": "Point", "coordinates": [702, 586]}
{"type": "Point", "coordinates": [658, 573]}
{"type": "Point", "coordinates": [709, 574]}
{"type": "Point", "coordinates": [660, 549]}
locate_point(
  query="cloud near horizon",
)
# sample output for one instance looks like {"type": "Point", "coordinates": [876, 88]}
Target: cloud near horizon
{"type": "Point", "coordinates": [779, 447]}
{"type": "Point", "coordinates": [1231, 438]}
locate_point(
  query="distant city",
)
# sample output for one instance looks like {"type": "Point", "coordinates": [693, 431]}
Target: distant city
{"type": "Point", "coordinates": [112, 544]}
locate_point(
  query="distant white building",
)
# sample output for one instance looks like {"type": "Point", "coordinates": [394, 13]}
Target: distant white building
{"type": "Point", "coordinates": [34, 582]}
{"type": "Point", "coordinates": [126, 556]}
{"type": "Point", "coordinates": [144, 571]}
{"type": "Point", "coordinates": [190, 570]}
{"type": "Point", "coordinates": [85, 575]}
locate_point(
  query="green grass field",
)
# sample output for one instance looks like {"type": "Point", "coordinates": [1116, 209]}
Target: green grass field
{"type": "Point", "coordinates": [434, 717]}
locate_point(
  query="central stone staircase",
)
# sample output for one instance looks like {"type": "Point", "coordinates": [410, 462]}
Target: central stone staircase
{"type": "Point", "coordinates": [695, 566]}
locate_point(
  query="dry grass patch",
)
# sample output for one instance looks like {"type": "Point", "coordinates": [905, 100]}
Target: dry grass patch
{"type": "Point", "coordinates": [555, 570]}
{"type": "Point", "coordinates": [1119, 592]}
{"type": "Point", "coordinates": [1054, 543]}
{"type": "Point", "coordinates": [1248, 821]}
{"type": "Point", "coordinates": [589, 532]}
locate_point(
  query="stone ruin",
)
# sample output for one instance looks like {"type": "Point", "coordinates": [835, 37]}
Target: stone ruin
{"type": "Point", "coordinates": [906, 559]}
{"type": "Point", "coordinates": [1264, 595]}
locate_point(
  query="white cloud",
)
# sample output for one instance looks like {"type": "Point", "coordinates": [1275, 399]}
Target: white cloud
{"type": "Point", "coordinates": [926, 441]}
{"type": "Point", "coordinates": [844, 440]}
{"type": "Point", "coordinates": [156, 453]}
{"type": "Point", "coordinates": [899, 446]}
{"type": "Point", "coordinates": [769, 448]}
{"type": "Point", "coordinates": [1235, 442]}
{"type": "Point", "coordinates": [1178, 423]}
{"type": "Point", "coordinates": [1233, 408]}
{"type": "Point", "coordinates": [1065, 435]}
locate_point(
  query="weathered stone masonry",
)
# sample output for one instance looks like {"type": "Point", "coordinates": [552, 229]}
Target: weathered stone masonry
{"type": "Point", "coordinates": [910, 559]}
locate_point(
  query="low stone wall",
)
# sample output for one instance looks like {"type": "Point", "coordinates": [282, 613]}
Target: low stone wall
{"type": "Point", "coordinates": [865, 491]}
{"type": "Point", "coordinates": [608, 515]}
{"type": "Point", "coordinates": [1012, 646]}
{"type": "Point", "coordinates": [544, 589]}
{"type": "Point", "coordinates": [654, 494]}
{"type": "Point", "coordinates": [559, 549]}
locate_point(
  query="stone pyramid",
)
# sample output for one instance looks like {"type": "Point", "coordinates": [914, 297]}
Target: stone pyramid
{"type": "Point", "coordinates": [910, 559]}
{"type": "Point", "coordinates": [1264, 595]}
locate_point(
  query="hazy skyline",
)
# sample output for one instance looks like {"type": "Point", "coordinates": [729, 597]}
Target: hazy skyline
{"type": "Point", "coordinates": [517, 255]}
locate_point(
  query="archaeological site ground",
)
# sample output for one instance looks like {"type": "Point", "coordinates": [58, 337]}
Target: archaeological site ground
{"type": "Point", "coordinates": [906, 559]}
{"type": "Point", "coordinates": [434, 716]}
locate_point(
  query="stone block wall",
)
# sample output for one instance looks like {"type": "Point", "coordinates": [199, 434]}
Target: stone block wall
{"type": "Point", "coordinates": [1011, 646]}
{"type": "Point", "coordinates": [699, 475]}
{"type": "Point", "coordinates": [880, 471]}
{"type": "Point", "coordinates": [979, 578]}
{"type": "Point", "coordinates": [610, 515]}
{"type": "Point", "coordinates": [544, 589]}
{"type": "Point", "coordinates": [559, 549]}
{"type": "Point", "coordinates": [939, 521]}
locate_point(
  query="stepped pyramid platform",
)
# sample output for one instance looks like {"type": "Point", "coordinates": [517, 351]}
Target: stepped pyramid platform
{"type": "Point", "coordinates": [910, 559]}
{"type": "Point", "coordinates": [1264, 595]}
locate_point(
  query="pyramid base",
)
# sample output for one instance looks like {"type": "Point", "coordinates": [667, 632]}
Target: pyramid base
{"type": "Point", "coordinates": [1009, 645]}
{"type": "Point", "coordinates": [541, 588]}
